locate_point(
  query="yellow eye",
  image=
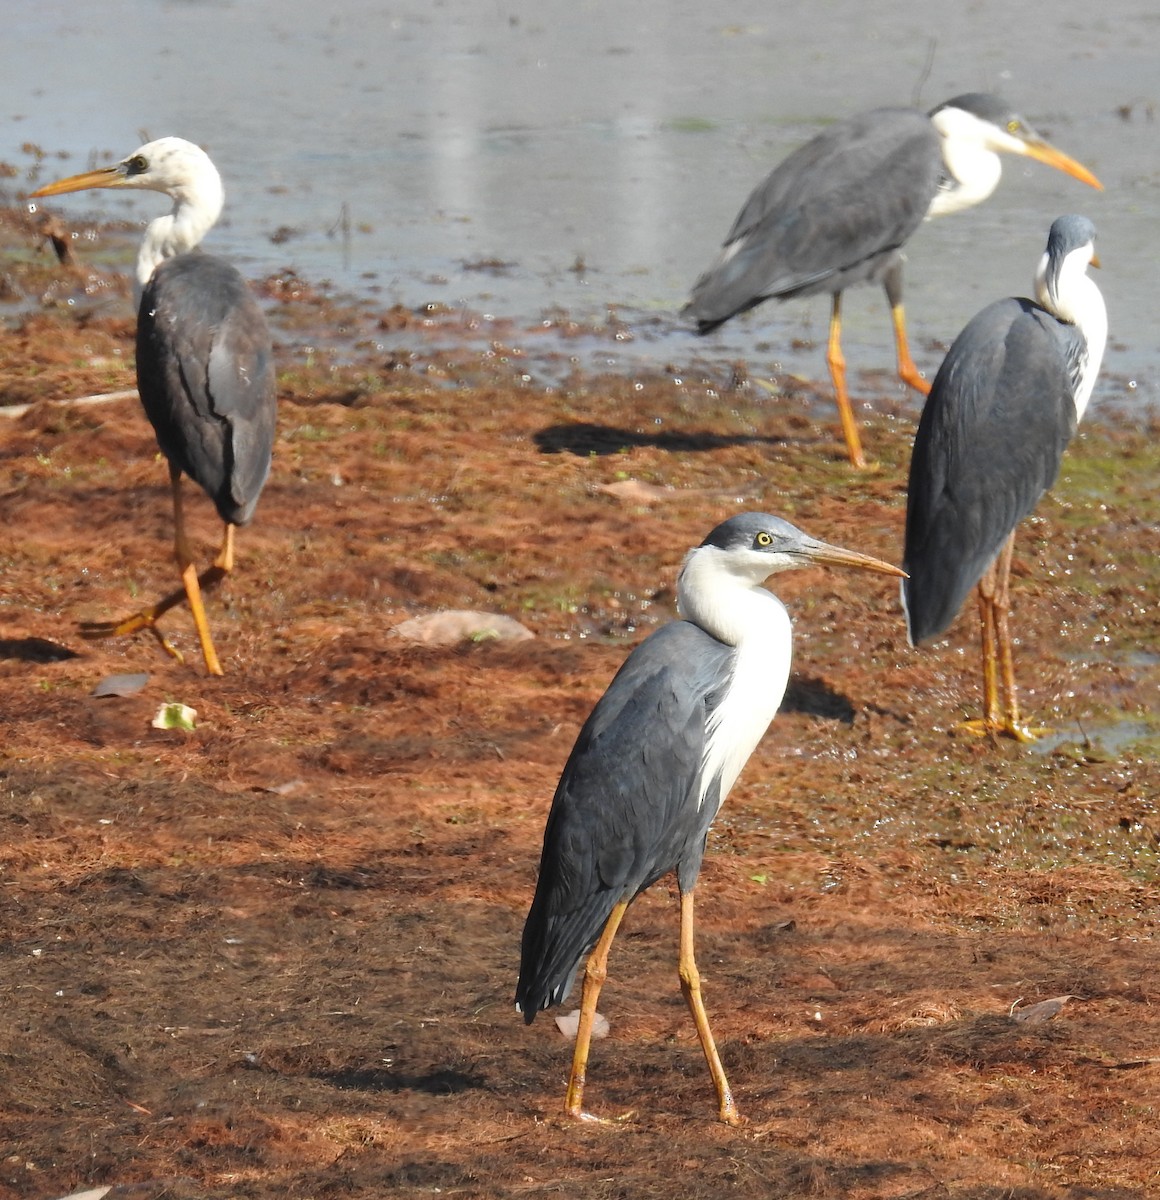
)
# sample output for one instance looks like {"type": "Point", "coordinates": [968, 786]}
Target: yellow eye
{"type": "Point", "coordinates": [1013, 125]}
{"type": "Point", "coordinates": [763, 539]}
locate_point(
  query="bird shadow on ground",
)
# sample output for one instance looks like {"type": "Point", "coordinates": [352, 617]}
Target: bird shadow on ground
{"type": "Point", "coordinates": [817, 699]}
{"type": "Point", "coordinates": [444, 1082]}
{"type": "Point", "coordinates": [34, 650]}
{"type": "Point", "coordinates": [588, 438]}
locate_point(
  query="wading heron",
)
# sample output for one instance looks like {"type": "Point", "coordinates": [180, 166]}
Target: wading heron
{"type": "Point", "coordinates": [1003, 407]}
{"type": "Point", "coordinates": [653, 764]}
{"type": "Point", "coordinates": [838, 210]}
{"type": "Point", "coordinates": [205, 366]}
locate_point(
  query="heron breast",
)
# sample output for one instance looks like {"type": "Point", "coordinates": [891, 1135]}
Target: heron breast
{"type": "Point", "coordinates": [756, 688]}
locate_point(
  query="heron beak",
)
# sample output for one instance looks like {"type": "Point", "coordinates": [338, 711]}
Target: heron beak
{"type": "Point", "coordinates": [835, 556]}
{"type": "Point", "coordinates": [1044, 152]}
{"type": "Point", "coordinates": [105, 177]}
{"type": "Point", "coordinates": [1095, 262]}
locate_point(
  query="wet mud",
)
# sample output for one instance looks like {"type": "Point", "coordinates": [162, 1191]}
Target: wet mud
{"type": "Point", "coordinates": [275, 954]}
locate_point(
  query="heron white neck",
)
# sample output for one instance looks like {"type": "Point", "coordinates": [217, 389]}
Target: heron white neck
{"type": "Point", "coordinates": [737, 610]}
{"type": "Point", "coordinates": [1077, 301]}
{"type": "Point", "coordinates": [970, 162]}
{"type": "Point", "coordinates": [733, 607]}
{"type": "Point", "coordinates": [196, 206]}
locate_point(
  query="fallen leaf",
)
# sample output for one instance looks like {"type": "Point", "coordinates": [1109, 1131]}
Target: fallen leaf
{"type": "Point", "coordinates": [283, 789]}
{"type": "Point", "coordinates": [568, 1023]}
{"type": "Point", "coordinates": [636, 492]}
{"type": "Point", "coordinates": [121, 685]}
{"type": "Point", "coordinates": [1038, 1014]}
{"type": "Point", "coordinates": [173, 715]}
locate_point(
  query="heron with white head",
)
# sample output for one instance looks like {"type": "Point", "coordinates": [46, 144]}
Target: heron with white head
{"type": "Point", "coordinates": [840, 208]}
{"type": "Point", "coordinates": [1004, 405]}
{"type": "Point", "coordinates": [205, 366]}
{"type": "Point", "coordinates": [653, 764]}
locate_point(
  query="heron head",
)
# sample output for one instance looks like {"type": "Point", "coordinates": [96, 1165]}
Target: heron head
{"type": "Point", "coordinates": [170, 165]}
{"type": "Point", "coordinates": [757, 545]}
{"type": "Point", "coordinates": [1071, 246]}
{"type": "Point", "coordinates": [990, 123]}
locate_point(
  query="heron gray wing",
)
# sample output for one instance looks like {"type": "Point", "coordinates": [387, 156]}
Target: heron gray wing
{"type": "Point", "coordinates": [827, 215]}
{"type": "Point", "coordinates": [996, 423]}
{"type": "Point", "coordinates": [205, 371]}
{"type": "Point", "coordinates": [626, 809]}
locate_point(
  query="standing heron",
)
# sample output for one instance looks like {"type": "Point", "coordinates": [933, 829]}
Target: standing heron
{"type": "Point", "coordinates": [205, 366]}
{"type": "Point", "coordinates": [838, 210]}
{"type": "Point", "coordinates": [1004, 406]}
{"type": "Point", "coordinates": [653, 765]}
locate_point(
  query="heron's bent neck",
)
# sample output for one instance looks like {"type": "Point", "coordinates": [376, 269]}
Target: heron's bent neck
{"type": "Point", "coordinates": [196, 206]}
{"type": "Point", "coordinates": [731, 606]}
{"type": "Point", "coordinates": [974, 168]}
{"type": "Point", "coordinates": [736, 609]}
{"type": "Point", "coordinates": [1077, 301]}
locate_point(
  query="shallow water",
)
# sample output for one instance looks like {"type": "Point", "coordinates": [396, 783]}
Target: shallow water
{"type": "Point", "coordinates": [519, 157]}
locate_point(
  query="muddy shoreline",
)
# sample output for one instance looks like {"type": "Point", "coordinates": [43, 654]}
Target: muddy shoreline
{"type": "Point", "coordinates": [275, 955]}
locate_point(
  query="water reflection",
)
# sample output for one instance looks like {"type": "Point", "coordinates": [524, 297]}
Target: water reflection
{"type": "Point", "coordinates": [626, 137]}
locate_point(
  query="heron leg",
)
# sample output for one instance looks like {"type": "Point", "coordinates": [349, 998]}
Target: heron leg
{"type": "Point", "coordinates": [836, 361]}
{"type": "Point", "coordinates": [189, 577]}
{"type": "Point", "coordinates": [1011, 724]}
{"type": "Point", "coordinates": [987, 635]}
{"type": "Point", "coordinates": [190, 591]}
{"type": "Point", "coordinates": [595, 973]}
{"type": "Point", "coordinates": [998, 659]}
{"type": "Point", "coordinates": [990, 723]}
{"type": "Point", "coordinates": [691, 987]}
{"type": "Point", "coordinates": [907, 371]}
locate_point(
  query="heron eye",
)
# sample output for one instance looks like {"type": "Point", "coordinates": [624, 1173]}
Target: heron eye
{"type": "Point", "coordinates": [137, 164]}
{"type": "Point", "coordinates": [763, 539]}
{"type": "Point", "coordinates": [1013, 126]}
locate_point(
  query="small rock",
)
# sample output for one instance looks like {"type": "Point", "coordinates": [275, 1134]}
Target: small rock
{"type": "Point", "coordinates": [447, 628]}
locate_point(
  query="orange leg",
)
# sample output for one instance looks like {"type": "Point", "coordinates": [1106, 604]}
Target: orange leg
{"type": "Point", "coordinates": [595, 973]}
{"type": "Point", "coordinates": [1012, 723]}
{"type": "Point", "coordinates": [907, 371]}
{"type": "Point", "coordinates": [987, 631]}
{"type": "Point", "coordinates": [190, 591]}
{"type": "Point", "coordinates": [691, 987]}
{"type": "Point", "coordinates": [998, 659]}
{"type": "Point", "coordinates": [837, 364]}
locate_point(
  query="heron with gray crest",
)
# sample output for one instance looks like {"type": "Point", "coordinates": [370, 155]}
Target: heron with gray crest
{"type": "Point", "coordinates": [653, 764]}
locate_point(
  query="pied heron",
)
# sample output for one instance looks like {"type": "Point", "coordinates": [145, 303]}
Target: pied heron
{"type": "Point", "coordinates": [205, 365]}
{"type": "Point", "coordinates": [1003, 407]}
{"type": "Point", "coordinates": [654, 762]}
{"type": "Point", "coordinates": [838, 210]}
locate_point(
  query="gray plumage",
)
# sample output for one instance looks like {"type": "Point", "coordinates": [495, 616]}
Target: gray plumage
{"type": "Point", "coordinates": [205, 368]}
{"type": "Point", "coordinates": [205, 371]}
{"type": "Point", "coordinates": [665, 743]}
{"type": "Point", "coordinates": [652, 766]}
{"type": "Point", "coordinates": [625, 811]}
{"type": "Point", "coordinates": [838, 210]}
{"type": "Point", "coordinates": [1003, 408]}
{"type": "Point", "coordinates": [834, 213]}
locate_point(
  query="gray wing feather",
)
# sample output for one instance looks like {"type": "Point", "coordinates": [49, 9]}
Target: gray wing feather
{"type": "Point", "coordinates": [828, 216]}
{"type": "Point", "coordinates": [625, 811]}
{"type": "Point", "coordinates": [996, 423]}
{"type": "Point", "coordinates": [205, 370]}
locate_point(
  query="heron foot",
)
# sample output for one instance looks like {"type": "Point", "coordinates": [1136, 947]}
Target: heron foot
{"type": "Point", "coordinates": [914, 379]}
{"type": "Point", "coordinates": [731, 1117]}
{"type": "Point", "coordinates": [1026, 733]}
{"type": "Point", "coordinates": [982, 727]}
{"type": "Point", "coordinates": [592, 1119]}
{"type": "Point", "coordinates": [96, 630]}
